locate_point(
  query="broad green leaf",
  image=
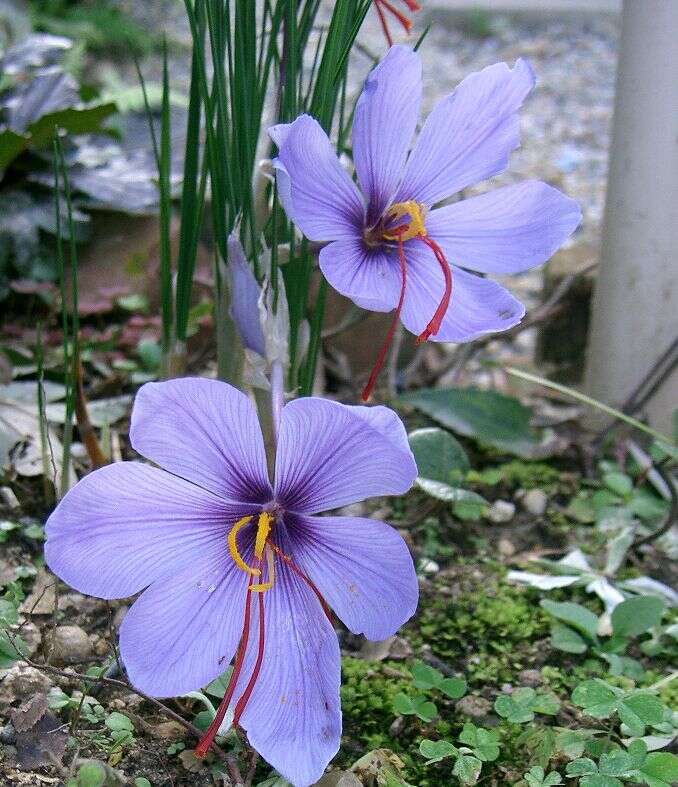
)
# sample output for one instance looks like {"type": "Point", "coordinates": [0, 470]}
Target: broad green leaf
{"type": "Point", "coordinates": [517, 707]}
{"type": "Point", "coordinates": [454, 688]}
{"type": "Point", "coordinates": [535, 777]}
{"type": "Point", "coordinates": [118, 722]}
{"type": "Point", "coordinates": [566, 639]}
{"type": "Point", "coordinates": [581, 767]}
{"type": "Point", "coordinates": [599, 780]}
{"type": "Point", "coordinates": [640, 710]}
{"type": "Point", "coordinates": [414, 706]}
{"type": "Point", "coordinates": [661, 765]}
{"type": "Point", "coordinates": [546, 703]}
{"type": "Point", "coordinates": [435, 751]}
{"type": "Point", "coordinates": [615, 763]}
{"type": "Point", "coordinates": [619, 483]}
{"type": "Point", "coordinates": [572, 742]}
{"type": "Point", "coordinates": [485, 743]}
{"type": "Point", "coordinates": [637, 615]}
{"type": "Point", "coordinates": [425, 677]}
{"type": "Point", "coordinates": [217, 688]}
{"type": "Point", "coordinates": [84, 120]}
{"type": "Point", "coordinates": [92, 774]}
{"type": "Point", "coordinates": [574, 615]}
{"type": "Point", "coordinates": [597, 698]}
{"type": "Point", "coordinates": [439, 455]}
{"type": "Point", "coordinates": [452, 494]}
{"type": "Point", "coordinates": [487, 416]}
{"type": "Point", "coordinates": [11, 146]}
{"type": "Point", "coordinates": [467, 769]}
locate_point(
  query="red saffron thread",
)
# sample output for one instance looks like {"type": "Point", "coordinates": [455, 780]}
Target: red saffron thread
{"type": "Point", "coordinates": [208, 738]}
{"type": "Point", "coordinates": [242, 702]}
{"type": "Point", "coordinates": [384, 23]}
{"type": "Point", "coordinates": [374, 374]}
{"type": "Point", "coordinates": [306, 579]}
{"type": "Point", "coordinates": [434, 325]}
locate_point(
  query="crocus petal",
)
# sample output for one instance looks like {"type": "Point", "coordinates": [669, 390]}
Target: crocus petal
{"type": "Point", "coordinates": [369, 277]}
{"type": "Point", "coordinates": [126, 525]}
{"type": "Point", "coordinates": [477, 306]}
{"type": "Point", "coordinates": [293, 717]}
{"type": "Point", "coordinates": [204, 431]}
{"type": "Point", "coordinates": [245, 292]}
{"type": "Point", "coordinates": [507, 230]}
{"type": "Point", "coordinates": [182, 632]}
{"type": "Point", "coordinates": [330, 454]}
{"type": "Point", "coordinates": [469, 135]}
{"type": "Point", "coordinates": [316, 191]}
{"type": "Point", "coordinates": [385, 119]}
{"type": "Point", "coordinates": [363, 569]}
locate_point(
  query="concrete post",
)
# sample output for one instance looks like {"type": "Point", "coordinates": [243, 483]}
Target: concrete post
{"type": "Point", "coordinates": [635, 305]}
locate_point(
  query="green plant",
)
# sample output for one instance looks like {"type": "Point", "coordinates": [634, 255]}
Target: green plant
{"type": "Point", "coordinates": [576, 630]}
{"type": "Point", "coordinates": [479, 746]}
{"type": "Point", "coordinates": [522, 705]}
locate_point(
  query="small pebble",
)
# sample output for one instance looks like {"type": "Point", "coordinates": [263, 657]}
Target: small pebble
{"type": "Point", "coordinates": [475, 707]}
{"type": "Point", "coordinates": [501, 511]}
{"type": "Point", "coordinates": [69, 644]}
{"type": "Point", "coordinates": [530, 677]}
{"type": "Point", "coordinates": [535, 501]}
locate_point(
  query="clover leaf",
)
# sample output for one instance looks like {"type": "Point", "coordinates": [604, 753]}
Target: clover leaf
{"type": "Point", "coordinates": [483, 743]}
{"type": "Point", "coordinates": [415, 706]}
{"type": "Point", "coordinates": [522, 705]}
{"type": "Point", "coordinates": [435, 751]}
{"type": "Point", "coordinates": [535, 777]}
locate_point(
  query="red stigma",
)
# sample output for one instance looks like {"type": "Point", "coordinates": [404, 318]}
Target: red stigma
{"type": "Point", "coordinates": [434, 325]}
{"type": "Point", "coordinates": [242, 702]}
{"type": "Point", "coordinates": [208, 738]}
{"type": "Point", "coordinates": [378, 364]}
{"type": "Point", "coordinates": [405, 22]}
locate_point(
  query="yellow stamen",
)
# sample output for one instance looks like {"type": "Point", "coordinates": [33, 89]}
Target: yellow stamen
{"type": "Point", "coordinates": [260, 588]}
{"type": "Point", "coordinates": [233, 546]}
{"type": "Point", "coordinates": [263, 529]}
{"type": "Point", "coordinates": [415, 227]}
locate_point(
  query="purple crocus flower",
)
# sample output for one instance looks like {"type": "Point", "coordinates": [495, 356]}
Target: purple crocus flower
{"type": "Point", "coordinates": [228, 561]}
{"type": "Point", "coordinates": [388, 247]}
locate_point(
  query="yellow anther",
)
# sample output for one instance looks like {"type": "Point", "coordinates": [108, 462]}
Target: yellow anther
{"type": "Point", "coordinates": [260, 588]}
{"type": "Point", "coordinates": [415, 226]}
{"type": "Point", "coordinates": [263, 529]}
{"type": "Point", "coordinates": [233, 546]}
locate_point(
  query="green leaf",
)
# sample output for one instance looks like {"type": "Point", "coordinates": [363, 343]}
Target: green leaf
{"type": "Point", "coordinates": [619, 483]}
{"type": "Point", "coordinates": [517, 707]}
{"type": "Point", "coordinates": [581, 767]}
{"type": "Point", "coordinates": [217, 688]}
{"type": "Point", "coordinates": [435, 751]}
{"type": "Point", "coordinates": [597, 698]}
{"type": "Point", "coordinates": [118, 722]}
{"type": "Point", "coordinates": [91, 774]}
{"type": "Point", "coordinates": [467, 769]}
{"type": "Point", "coordinates": [487, 416]}
{"type": "Point", "coordinates": [661, 765]}
{"type": "Point", "coordinates": [599, 780]}
{"type": "Point", "coordinates": [573, 742]}
{"type": "Point", "coordinates": [454, 688]}
{"type": "Point", "coordinates": [640, 710]}
{"type": "Point", "coordinates": [485, 743]}
{"type": "Point", "coordinates": [452, 494]}
{"type": "Point", "coordinates": [637, 615]}
{"type": "Point", "coordinates": [425, 677]}
{"type": "Point", "coordinates": [416, 706]}
{"type": "Point", "coordinates": [535, 778]}
{"type": "Point", "coordinates": [74, 120]}
{"type": "Point", "coordinates": [546, 703]}
{"type": "Point", "coordinates": [142, 781]}
{"type": "Point", "coordinates": [615, 763]}
{"type": "Point", "coordinates": [566, 639]}
{"type": "Point", "coordinates": [11, 146]}
{"type": "Point", "coordinates": [574, 615]}
{"type": "Point", "coordinates": [439, 455]}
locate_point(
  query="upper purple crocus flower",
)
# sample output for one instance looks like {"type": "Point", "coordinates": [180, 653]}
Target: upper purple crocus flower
{"type": "Point", "coordinates": [226, 560]}
{"type": "Point", "coordinates": [387, 246]}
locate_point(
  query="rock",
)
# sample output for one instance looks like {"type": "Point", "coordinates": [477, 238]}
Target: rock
{"type": "Point", "coordinates": [501, 511]}
{"type": "Point", "coordinates": [475, 707]}
{"type": "Point", "coordinates": [535, 501]}
{"type": "Point", "coordinates": [68, 644]}
{"type": "Point", "coordinates": [339, 779]}
{"type": "Point", "coordinates": [42, 598]}
{"type": "Point", "coordinates": [391, 648]}
{"type": "Point", "coordinates": [428, 566]}
{"type": "Point", "coordinates": [506, 548]}
{"type": "Point", "coordinates": [22, 681]}
{"type": "Point", "coordinates": [9, 499]}
{"type": "Point", "coordinates": [170, 730]}
{"type": "Point", "coordinates": [530, 677]}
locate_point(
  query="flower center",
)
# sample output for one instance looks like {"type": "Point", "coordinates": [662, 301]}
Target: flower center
{"type": "Point", "coordinates": [264, 548]}
{"type": "Point", "coordinates": [389, 229]}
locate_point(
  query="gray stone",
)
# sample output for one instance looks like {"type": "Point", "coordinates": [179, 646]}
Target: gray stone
{"type": "Point", "coordinates": [69, 644]}
{"type": "Point", "coordinates": [22, 681]}
{"type": "Point", "coordinates": [501, 511]}
{"type": "Point", "coordinates": [535, 501]}
{"type": "Point", "coordinates": [475, 707]}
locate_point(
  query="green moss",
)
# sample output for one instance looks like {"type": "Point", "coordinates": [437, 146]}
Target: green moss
{"type": "Point", "coordinates": [517, 473]}
{"type": "Point", "coordinates": [490, 631]}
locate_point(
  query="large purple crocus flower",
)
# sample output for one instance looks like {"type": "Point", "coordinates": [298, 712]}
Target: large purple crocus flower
{"type": "Point", "coordinates": [387, 246]}
{"type": "Point", "coordinates": [228, 561]}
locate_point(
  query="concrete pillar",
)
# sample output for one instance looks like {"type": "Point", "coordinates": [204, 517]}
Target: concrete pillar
{"type": "Point", "coordinates": [635, 305]}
